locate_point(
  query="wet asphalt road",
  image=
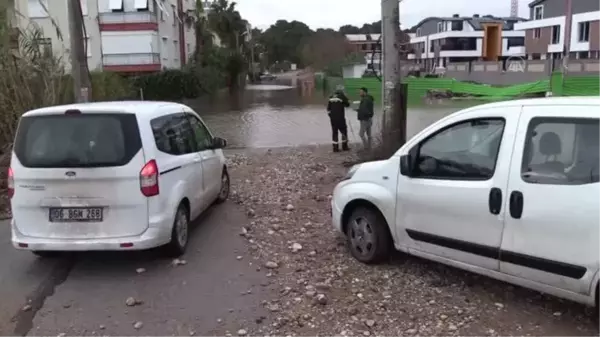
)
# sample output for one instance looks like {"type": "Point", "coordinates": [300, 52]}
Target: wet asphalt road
{"type": "Point", "coordinates": [85, 294]}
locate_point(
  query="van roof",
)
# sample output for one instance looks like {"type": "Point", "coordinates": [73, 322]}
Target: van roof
{"type": "Point", "coordinates": [133, 107]}
{"type": "Point", "coordinates": [572, 100]}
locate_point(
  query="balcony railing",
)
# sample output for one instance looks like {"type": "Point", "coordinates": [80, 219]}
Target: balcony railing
{"type": "Point", "coordinates": [130, 59]}
{"type": "Point", "coordinates": [127, 17]}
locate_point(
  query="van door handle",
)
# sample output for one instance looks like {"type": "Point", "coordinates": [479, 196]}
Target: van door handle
{"type": "Point", "coordinates": [495, 200]}
{"type": "Point", "coordinates": [516, 204]}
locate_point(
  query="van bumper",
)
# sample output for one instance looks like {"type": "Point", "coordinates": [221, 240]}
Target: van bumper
{"type": "Point", "coordinates": [153, 237]}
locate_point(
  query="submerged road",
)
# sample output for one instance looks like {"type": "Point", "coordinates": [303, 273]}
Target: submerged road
{"type": "Point", "coordinates": [86, 293]}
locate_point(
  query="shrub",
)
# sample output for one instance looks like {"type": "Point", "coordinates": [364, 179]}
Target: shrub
{"type": "Point", "coordinates": [168, 85]}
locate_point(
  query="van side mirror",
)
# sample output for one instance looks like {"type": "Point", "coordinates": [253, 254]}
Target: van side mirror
{"type": "Point", "coordinates": [219, 143]}
{"type": "Point", "coordinates": [406, 165]}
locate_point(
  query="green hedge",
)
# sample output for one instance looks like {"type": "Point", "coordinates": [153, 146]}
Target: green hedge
{"type": "Point", "coordinates": [168, 85]}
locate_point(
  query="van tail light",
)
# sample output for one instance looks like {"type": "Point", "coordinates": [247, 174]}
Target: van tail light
{"type": "Point", "coordinates": [11, 183]}
{"type": "Point", "coordinates": [149, 179]}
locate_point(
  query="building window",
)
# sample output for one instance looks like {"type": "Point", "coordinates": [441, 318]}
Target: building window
{"type": "Point", "coordinates": [440, 27]}
{"type": "Point", "coordinates": [538, 12]}
{"type": "Point", "coordinates": [584, 31]}
{"type": "Point", "coordinates": [583, 55]}
{"type": "Point", "coordinates": [45, 45]}
{"type": "Point", "coordinates": [555, 34]}
{"type": "Point", "coordinates": [537, 33]}
{"type": "Point", "coordinates": [88, 46]}
{"type": "Point", "coordinates": [36, 8]}
{"type": "Point", "coordinates": [515, 42]}
{"type": "Point", "coordinates": [418, 33]}
{"type": "Point", "coordinates": [536, 56]}
{"type": "Point", "coordinates": [141, 5]}
{"type": "Point", "coordinates": [116, 5]}
{"type": "Point", "coordinates": [174, 15]}
{"type": "Point", "coordinates": [84, 7]}
{"type": "Point", "coordinates": [457, 26]}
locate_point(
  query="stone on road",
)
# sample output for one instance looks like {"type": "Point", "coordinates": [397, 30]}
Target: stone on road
{"type": "Point", "coordinates": [175, 300]}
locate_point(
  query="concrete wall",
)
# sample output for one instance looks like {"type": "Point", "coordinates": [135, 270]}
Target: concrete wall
{"type": "Point", "coordinates": [516, 72]}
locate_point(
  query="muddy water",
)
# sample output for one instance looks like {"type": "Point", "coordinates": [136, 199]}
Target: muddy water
{"type": "Point", "coordinates": [272, 116]}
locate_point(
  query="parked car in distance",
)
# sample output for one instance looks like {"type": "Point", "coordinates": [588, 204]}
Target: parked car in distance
{"type": "Point", "coordinates": [112, 176]}
{"type": "Point", "coordinates": [509, 190]}
{"type": "Point", "coordinates": [267, 77]}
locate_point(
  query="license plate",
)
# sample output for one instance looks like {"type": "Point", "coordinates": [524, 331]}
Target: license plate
{"type": "Point", "coordinates": [76, 214]}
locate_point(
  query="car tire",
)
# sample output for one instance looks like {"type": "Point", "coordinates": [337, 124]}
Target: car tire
{"type": "Point", "coordinates": [180, 233]}
{"type": "Point", "coordinates": [368, 236]}
{"type": "Point", "coordinates": [225, 187]}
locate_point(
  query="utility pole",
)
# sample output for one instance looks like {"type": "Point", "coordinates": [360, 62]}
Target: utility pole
{"type": "Point", "coordinates": [394, 116]}
{"type": "Point", "coordinates": [79, 70]}
{"type": "Point", "coordinates": [567, 42]}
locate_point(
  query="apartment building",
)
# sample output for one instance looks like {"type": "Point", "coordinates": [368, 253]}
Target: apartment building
{"type": "Point", "coordinates": [369, 45]}
{"type": "Point", "coordinates": [128, 36]}
{"type": "Point", "coordinates": [436, 41]}
{"type": "Point", "coordinates": [546, 32]}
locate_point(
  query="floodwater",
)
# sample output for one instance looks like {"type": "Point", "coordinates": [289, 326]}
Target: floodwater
{"type": "Point", "coordinates": [277, 116]}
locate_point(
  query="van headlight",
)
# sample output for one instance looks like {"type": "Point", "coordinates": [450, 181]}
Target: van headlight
{"type": "Point", "coordinates": [351, 172]}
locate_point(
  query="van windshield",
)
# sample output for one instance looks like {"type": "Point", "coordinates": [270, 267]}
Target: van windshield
{"type": "Point", "coordinates": [82, 140]}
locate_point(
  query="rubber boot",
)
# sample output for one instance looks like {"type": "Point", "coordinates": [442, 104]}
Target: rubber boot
{"type": "Point", "coordinates": [345, 146]}
{"type": "Point", "coordinates": [336, 148]}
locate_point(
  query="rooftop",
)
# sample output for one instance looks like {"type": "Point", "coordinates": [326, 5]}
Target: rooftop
{"type": "Point", "coordinates": [476, 20]}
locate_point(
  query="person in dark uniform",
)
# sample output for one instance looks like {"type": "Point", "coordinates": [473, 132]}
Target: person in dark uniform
{"type": "Point", "coordinates": [336, 109]}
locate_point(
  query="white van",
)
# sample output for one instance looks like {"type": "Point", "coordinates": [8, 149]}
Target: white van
{"type": "Point", "coordinates": [509, 190]}
{"type": "Point", "coordinates": [112, 176]}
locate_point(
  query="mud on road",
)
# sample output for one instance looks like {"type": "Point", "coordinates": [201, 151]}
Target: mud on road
{"type": "Point", "coordinates": [319, 289]}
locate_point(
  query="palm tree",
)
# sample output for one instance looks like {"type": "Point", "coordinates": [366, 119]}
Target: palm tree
{"type": "Point", "coordinates": [203, 36]}
{"type": "Point", "coordinates": [228, 24]}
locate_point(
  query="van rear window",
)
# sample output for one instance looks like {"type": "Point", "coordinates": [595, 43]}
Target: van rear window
{"type": "Point", "coordinates": [82, 140]}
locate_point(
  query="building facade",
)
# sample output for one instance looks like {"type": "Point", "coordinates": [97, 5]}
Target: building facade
{"type": "Point", "coordinates": [370, 46]}
{"type": "Point", "coordinates": [437, 41]}
{"type": "Point", "coordinates": [546, 32]}
{"type": "Point", "coordinates": [129, 36]}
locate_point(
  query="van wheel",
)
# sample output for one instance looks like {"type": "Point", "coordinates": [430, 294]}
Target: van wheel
{"type": "Point", "coordinates": [368, 236]}
{"type": "Point", "coordinates": [179, 233]}
{"type": "Point", "coordinates": [225, 185]}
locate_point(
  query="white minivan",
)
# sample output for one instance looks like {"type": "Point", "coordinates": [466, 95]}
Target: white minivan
{"type": "Point", "coordinates": [509, 190]}
{"type": "Point", "coordinates": [112, 176]}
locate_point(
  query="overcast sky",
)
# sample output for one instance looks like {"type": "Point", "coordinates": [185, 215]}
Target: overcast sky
{"type": "Point", "coordinates": [335, 13]}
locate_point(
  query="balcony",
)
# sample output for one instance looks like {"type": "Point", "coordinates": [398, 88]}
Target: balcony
{"type": "Point", "coordinates": [131, 62]}
{"type": "Point", "coordinates": [128, 21]}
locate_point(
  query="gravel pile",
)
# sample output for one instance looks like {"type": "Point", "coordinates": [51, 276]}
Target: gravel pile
{"type": "Point", "coordinates": [318, 289]}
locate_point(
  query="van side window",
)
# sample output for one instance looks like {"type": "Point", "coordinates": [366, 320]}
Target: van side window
{"type": "Point", "coordinates": [203, 136]}
{"type": "Point", "coordinates": [561, 151]}
{"type": "Point", "coordinates": [173, 134]}
{"type": "Point", "coordinates": [464, 151]}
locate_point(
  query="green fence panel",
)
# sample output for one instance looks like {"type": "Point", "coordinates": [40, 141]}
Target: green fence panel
{"type": "Point", "coordinates": [418, 87]}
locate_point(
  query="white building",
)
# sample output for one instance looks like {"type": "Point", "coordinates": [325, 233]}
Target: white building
{"type": "Point", "coordinates": [369, 45]}
{"type": "Point", "coordinates": [436, 41]}
{"type": "Point", "coordinates": [127, 36]}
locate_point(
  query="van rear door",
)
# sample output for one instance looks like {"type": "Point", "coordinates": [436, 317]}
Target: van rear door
{"type": "Point", "coordinates": [77, 176]}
